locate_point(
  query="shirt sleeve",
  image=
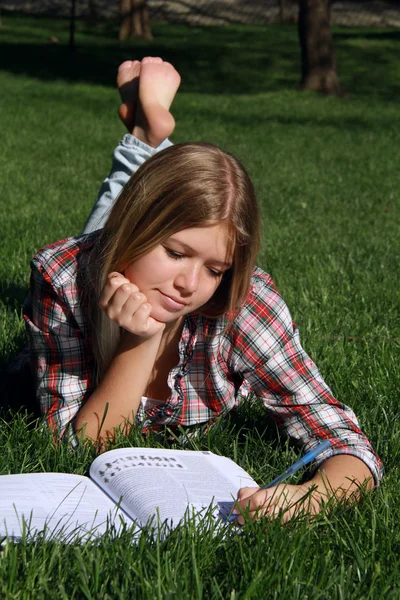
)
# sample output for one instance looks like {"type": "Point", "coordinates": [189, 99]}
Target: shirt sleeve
{"type": "Point", "coordinates": [126, 159]}
{"type": "Point", "coordinates": [270, 357]}
{"type": "Point", "coordinates": [60, 352]}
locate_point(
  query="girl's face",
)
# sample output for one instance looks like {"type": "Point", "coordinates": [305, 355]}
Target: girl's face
{"type": "Point", "coordinates": [180, 275]}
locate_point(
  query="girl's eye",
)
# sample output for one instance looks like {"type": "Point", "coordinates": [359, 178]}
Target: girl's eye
{"type": "Point", "coordinates": [173, 254]}
{"type": "Point", "coordinates": [214, 273]}
{"type": "Point", "coordinates": [178, 256]}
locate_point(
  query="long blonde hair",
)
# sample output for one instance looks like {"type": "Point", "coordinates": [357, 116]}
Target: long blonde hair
{"type": "Point", "coordinates": [186, 185]}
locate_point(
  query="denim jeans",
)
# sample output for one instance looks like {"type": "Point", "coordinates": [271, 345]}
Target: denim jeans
{"type": "Point", "coordinates": [126, 159]}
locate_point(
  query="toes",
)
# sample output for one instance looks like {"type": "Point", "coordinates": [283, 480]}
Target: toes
{"type": "Point", "coordinates": [125, 65]}
{"type": "Point", "coordinates": [127, 72]}
{"type": "Point", "coordinates": [152, 59]}
{"type": "Point", "coordinates": [129, 65]}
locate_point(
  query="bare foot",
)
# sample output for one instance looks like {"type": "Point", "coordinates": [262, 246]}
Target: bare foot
{"type": "Point", "coordinates": [128, 85]}
{"type": "Point", "coordinates": [158, 84]}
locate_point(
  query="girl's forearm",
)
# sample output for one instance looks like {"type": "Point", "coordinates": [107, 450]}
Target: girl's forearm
{"type": "Point", "coordinates": [342, 477]}
{"type": "Point", "coordinates": [119, 393]}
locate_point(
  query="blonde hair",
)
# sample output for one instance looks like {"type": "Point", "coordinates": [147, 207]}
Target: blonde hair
{"type": "Point", "coordinates": [186, 185]}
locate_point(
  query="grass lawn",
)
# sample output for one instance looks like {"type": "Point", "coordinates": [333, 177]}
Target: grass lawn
{"type": "Point", "coordinates": [328, 179]}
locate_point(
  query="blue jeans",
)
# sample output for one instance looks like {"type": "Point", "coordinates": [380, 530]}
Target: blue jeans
{"type": "Point", "coordinates": [126, 159]}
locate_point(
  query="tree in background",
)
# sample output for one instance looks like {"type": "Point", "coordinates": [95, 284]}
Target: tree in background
{"type": "Point", "coordinates": [135, 20]}
{"type": "Point", "coordinates": [318, 65]}
{"type": "Point", "coordinates": [91, 18]}
{"type": "Point", "coordinates": [72, 25]}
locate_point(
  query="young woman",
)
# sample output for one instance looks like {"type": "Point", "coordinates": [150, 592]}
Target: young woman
{"type": "Point", "coordinates": [156, 316]}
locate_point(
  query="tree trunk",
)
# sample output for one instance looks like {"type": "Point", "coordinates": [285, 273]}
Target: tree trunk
{"type": "Point", "coordinates": [146, 25]}
{"type": "Point", "coordinates": [282, 10]}
{"type": "Point", "coordinates": [72, 24]}
{"type": "Point", "coordinates": [91, 19]}
{"type": "Point", "coordinates": [141, 27]}
{"type": "Point", "coordinates": [135, 20]}
{"type": "Point", "coordinates": [318, 65]}
{"type": "Point", "coordinates": [126, 20]}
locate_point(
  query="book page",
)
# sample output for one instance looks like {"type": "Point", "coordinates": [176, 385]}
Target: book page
{"type": "Point", "coordinates": [151, 482]}
{"type": "Point", "coordinates": [58, 503]}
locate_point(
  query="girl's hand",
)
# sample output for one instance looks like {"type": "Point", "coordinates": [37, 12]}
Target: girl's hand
{"type": "Point", "coordinates": [123, 303]}
{"type": "Point", "coordinates": [283, 500]}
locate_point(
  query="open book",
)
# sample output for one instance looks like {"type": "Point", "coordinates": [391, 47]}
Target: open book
{"type": "Point", "coordinates": [126, 486]}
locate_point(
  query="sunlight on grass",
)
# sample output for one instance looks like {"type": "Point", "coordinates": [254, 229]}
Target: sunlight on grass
{"type": "Point", "coordinates": [327, 176]}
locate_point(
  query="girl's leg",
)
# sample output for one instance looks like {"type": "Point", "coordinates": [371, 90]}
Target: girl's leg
{"type": "Point", "coordinates": [128, 87]}
{"type": "Point", "coordinates": [147, 90]}
{"type": "Point", "coordinates": [158, 84]}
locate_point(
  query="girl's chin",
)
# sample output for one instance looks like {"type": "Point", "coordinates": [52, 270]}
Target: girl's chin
{"type": "Point", "coordinates": [163, 316]}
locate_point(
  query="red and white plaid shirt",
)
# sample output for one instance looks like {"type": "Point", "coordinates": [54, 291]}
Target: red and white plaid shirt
{"type": "Point", "coordinates": [260, 351]}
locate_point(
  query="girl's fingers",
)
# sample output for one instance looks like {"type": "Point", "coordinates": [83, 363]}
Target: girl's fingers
{"type": "Point", "coordinates": [251, 502]}
{"type": "Point", "coordinates": [285, 501]}
{"type": "Point", "coordinates": [246, 492]}
{"type": "Point", "coordinates": [142, 324]}
{"type": "Point", "coordinates": [140, 320]}
{"type": "Point", "coordinates": [134, 312]}
{"type": "Point", "coordinates": [272, 512]}
{"type": "Point", "coordinates": [124, 303]}
{"type": "Point", "coordinates": [133, 302]}
{"type": "Point", "coordinates": [114, 282]}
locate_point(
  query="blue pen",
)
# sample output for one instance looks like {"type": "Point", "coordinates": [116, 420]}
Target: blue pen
{"type": "Point", "coordinates": [302, 462]}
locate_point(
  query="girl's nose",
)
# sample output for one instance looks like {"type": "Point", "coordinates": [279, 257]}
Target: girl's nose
{"type": "Point", "coordinates": [188, 279]}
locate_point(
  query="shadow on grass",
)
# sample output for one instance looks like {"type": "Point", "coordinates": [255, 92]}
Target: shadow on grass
{"type": "Point", "coordinates": [13, 295]}
{"type": "Point", "coordinates": [16, 382]}
{"type": "Point", "coordinates": [17, 391]}
{"type": "Point", "coordinates": [216, 60]}
{"type": "Point", "coordinates": [210, 72]}
{"type": "Point", "coordinates": [222, 60]}
{"type": "Point", "coordinates": [369, 34]}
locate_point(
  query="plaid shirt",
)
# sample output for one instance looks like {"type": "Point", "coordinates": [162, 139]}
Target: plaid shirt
{"type": "Point", "coordinates": [218, 365]}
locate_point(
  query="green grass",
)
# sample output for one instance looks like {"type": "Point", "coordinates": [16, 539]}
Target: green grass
{"type": "Point", "coordinates": [327, 176]}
